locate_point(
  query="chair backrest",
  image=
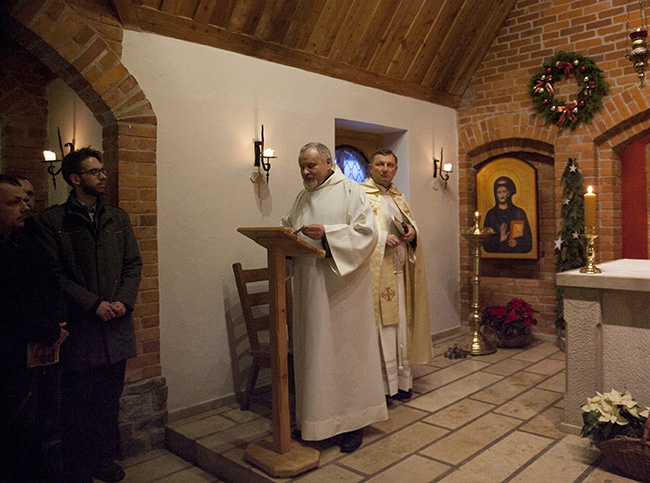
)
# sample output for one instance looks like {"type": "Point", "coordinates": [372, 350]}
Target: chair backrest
{"type": "Point", "coordinates": [254, 304]}
{"type": "Point", "coordinates": [250, 301]}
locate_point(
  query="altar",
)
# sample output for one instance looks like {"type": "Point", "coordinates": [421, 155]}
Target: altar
{"type": "Point", "coordinates": [608, 334]}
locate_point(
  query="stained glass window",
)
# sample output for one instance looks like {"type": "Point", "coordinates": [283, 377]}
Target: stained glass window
{"type": "Point", "coordinates": [352, 162]}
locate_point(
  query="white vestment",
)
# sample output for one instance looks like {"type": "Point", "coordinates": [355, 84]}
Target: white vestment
{"type": "Point", "coordinates": [335, 346]}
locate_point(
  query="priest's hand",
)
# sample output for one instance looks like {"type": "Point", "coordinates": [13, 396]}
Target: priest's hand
{"type": "Point", "coordinates": [409, 236]}
{"type": "Point", "coordinates": [315, 232]}
{"type": "Point", "coordinates": [392, 241]}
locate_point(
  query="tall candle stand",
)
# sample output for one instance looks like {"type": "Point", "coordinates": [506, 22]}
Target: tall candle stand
{"type": "Point", "coordinates": [476, 344]}
{"type": "Point", "coordinates": [590, 235]}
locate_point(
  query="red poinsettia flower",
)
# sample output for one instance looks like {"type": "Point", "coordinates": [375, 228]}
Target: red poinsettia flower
{"type": "Point", "coordinates": [516, 318]}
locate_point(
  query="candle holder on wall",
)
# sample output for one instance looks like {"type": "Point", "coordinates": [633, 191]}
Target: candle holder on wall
{"type": "Point", "coordinates": [477, 345]}
{"type": "Point", "coordinates": [263, 158]}
{"type": "Point", "coordinates": [50, 157]}
{"type": "Point", "coordinates": [590, 235]}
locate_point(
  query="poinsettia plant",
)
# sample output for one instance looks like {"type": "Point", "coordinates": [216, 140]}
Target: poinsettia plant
{"type": "Point", "coordinates": [514, 319]}
{"type": "Point", "coordinates": [612, 415]}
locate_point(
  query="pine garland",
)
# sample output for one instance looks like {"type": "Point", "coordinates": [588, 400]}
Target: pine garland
{"type": "Point", "coordinates": [591, 84]}
{"type": "Point", "coordinates": [570, 246]}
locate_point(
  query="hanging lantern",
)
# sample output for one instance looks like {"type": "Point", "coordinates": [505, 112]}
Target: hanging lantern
{"type": "Point", "coordinates": [639, 54]}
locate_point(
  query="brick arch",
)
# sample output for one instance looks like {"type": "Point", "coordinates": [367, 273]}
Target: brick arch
{"type": "Point", "coordinates": [516, 135]}
{"type": "Point", "coordinates": [514, 126]}
{"type": "Point", "coordinates": [84, 49]}
{"type": "Point", "coordinates": [613, 132]}
{"type": "Point", "coordinates": [616, 126]}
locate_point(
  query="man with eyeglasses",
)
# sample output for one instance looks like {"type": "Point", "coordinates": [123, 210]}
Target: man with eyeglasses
{"type": "Point", "coordinates": [95, 256]}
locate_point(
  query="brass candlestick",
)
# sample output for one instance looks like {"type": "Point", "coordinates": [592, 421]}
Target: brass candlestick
{"type": "Point", "coordinates": [477, 345]}
{"type": "Point", "coordinates": [590, 235]}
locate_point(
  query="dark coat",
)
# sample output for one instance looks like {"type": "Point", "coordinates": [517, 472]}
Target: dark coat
{"type": "Point", "coordinates": [94, 262]}
{"type": "Point", "coordinates": [30, 309]}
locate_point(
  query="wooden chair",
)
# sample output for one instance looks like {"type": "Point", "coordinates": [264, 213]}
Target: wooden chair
{"type": "Point", "coordinates": [252, 303]}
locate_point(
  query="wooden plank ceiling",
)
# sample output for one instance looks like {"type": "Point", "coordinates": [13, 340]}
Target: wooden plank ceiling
{"type": "Point", "coordinates": [425, 49]}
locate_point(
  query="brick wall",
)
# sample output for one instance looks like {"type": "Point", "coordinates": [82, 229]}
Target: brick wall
{"type": "Point", "coordinates": [496, 119]}
{"type": "Point", "coordinates": [83, 47]}
{"type": "Point", "coordinates": [23, 115]}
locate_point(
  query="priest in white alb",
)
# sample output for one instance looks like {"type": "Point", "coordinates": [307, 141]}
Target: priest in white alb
{"type": "Point", "coordinates": [335, 346]}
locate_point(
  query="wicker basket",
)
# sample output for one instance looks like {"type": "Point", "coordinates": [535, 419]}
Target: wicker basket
{"type": "Point", "coordinates": [631, 456]}
{"type": "Point", "coordinates": [509, 342]}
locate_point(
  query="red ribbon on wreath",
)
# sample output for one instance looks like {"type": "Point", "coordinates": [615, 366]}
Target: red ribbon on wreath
{"type": "Point", "coordinates": [567, 111]}
{"type": "Point", "coordinates": [544, 84]}
{"type": "Point", "coordinates": [567, 67]}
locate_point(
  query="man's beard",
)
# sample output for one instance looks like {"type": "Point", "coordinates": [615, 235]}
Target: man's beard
{"type": "Point", "coordinates": [92, 191]}
{"type": "Point", "coordinates": [310, 183]}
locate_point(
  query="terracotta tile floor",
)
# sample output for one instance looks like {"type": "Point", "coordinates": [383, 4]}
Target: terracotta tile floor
{"type": "Point", "coordinates": [489, 418]}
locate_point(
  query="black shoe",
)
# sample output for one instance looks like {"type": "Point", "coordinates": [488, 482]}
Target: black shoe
{"type": "Point", "coordinates": [402, 395]}
{"type": "Point", "coordinates": [108, 471]}
{"type": "Point", "coordinates": [351, 441]}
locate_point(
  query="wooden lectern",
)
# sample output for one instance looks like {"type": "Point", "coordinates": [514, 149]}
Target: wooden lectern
{"type": "Point", "coordinates": [281, 457]}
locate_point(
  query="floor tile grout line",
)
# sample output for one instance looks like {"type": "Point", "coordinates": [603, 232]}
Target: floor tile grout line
{"type": "Point", "coordinates": [449, 431]}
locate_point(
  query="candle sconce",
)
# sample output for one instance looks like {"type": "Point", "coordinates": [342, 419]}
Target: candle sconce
{"type": "Point", "coordinates": [590, 235]}
{"type": "Point", "coordinates": [262, 159]}
{"type": "Point", "coordinates": [50, 157]}
{"type": "Point", "coordinates": [476, 344]}
{"type": "Point", "coordinates": [441, 171]}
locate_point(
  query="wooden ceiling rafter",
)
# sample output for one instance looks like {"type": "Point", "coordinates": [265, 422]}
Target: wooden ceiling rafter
{"type": "Point", "coordinates": [425, 49]}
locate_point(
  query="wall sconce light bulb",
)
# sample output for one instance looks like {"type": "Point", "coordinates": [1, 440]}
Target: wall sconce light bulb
{"type": "Point", "coordinates": [49, 155]}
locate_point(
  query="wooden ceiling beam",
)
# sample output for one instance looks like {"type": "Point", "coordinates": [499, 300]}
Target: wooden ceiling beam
{"type": "Point", "coordinates": [425, 49]}
{"type": "Point", "coordinates": [204, 10]}
{"type": "Point", "coordinates": [127, 14]}
{"type": "Point", "coordinates": [216, 37]}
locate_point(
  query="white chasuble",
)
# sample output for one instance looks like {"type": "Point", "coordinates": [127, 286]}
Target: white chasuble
{"type": "Point", "coordinates": [336, 351]}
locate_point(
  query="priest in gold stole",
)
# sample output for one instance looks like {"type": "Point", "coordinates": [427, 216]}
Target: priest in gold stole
{"type": "Point", "coordinates": [399, 283]}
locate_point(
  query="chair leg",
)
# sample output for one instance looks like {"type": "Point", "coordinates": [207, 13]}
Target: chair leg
{"type": "Point", "coordinates": [250, 385]}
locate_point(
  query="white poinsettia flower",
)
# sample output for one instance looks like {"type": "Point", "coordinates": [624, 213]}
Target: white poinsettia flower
{"type": "Point", "coordinates": [634, 411]}
{"type": "Point", "coordinates": [627, 401]}
{"type": "Point", "coordinates": [612, 418]}
{"type": "Point", "coordinates": [615, 397]}
{"type": "Point", "coordinates": [606, 408]}
{"type": "Point", "coordinates": [645, 413]}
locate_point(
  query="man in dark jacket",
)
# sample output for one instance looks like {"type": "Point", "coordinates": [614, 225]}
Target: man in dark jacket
{"type": "Point", "coordinates": [30, 311]}
{"type": "Point", "coordinates": [97, 263]}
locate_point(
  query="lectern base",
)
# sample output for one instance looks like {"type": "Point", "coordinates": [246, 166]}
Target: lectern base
{"type": "Point", "coordinates": [294, 462]}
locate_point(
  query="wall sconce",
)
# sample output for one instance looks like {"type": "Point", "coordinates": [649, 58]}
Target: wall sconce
{"type": "Point", "coordinates": [262, 159]}
{"type": "Point", "coordinates": [639, 55]}
{"type": "Point", "coordinates": [441, 171]}
{"type": "Point", "coordinates": [50, 158]}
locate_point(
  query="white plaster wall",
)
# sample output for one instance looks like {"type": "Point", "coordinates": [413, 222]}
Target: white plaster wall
{"type": "Point", "coordinates": [210, 104]}
{"type": "Point", "coordinates": [68, 113]}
